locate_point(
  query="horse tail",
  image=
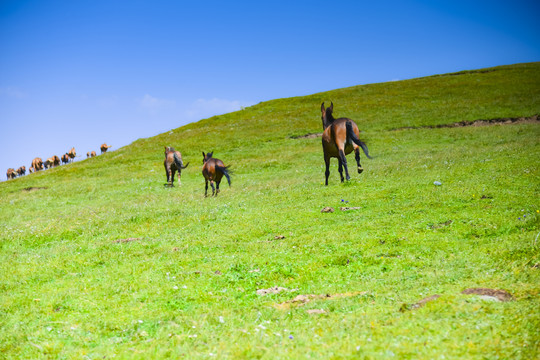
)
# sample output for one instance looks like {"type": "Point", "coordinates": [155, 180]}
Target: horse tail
{"type": "Point", "coordinates": [178, 162]}
{"type": "Point", "coordinates": [225, 171]}
{"type": "Point", "coordinates": [356, 140]}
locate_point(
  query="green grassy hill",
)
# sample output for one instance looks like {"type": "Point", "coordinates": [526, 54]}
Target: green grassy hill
{"type": "Point", "coordinates": [98, 259]}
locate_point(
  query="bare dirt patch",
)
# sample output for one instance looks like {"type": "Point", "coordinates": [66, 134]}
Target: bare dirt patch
{"type": "Point", "coordinates": [419, 304]}
{"type": "Point", "coordinates": [304, 299]}
{"type": "Point", "coordinates": [492, 294]}
{"type": "Point", "coordinates": [440, 225]}
{"type": "Point", "coordinates": [497, 121]}
{"type": "Point", "coordinates": [126, 240]}
{"type": "Point", "coordinates": [34, 188]}
{"type": "Point", "coordinates": [347, 208]}
{"type": "Point", "coordinates": [273, 290]}
{"type": "Point", "coordinates": [307, 136]}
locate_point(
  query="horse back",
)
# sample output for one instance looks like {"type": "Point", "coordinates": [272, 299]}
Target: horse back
{"type": "Point", "coordinates": [335, 137]}
{"type": "Point", "coordinates": [210, 169]}
{"type": "Point", "coordinates": [169, 159]}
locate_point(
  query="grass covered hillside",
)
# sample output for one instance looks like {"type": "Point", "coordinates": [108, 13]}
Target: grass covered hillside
{"type": "Point", "coordinates": [99, 260]}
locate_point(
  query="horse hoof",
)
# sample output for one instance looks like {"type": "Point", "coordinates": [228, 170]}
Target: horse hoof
{"type": "Point", "coordinates": [360, 170]}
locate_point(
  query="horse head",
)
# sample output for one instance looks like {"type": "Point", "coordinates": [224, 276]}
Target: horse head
{"type": "Point", "coordinates": [326, 115]}
{"type": "Point", "coordinates": [207, 156]}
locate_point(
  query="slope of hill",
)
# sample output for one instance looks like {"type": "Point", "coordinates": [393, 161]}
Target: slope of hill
{"type": "Point", "coordinates": [98, 258]}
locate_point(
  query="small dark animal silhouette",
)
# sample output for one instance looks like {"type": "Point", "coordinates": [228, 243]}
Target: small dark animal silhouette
{"type": "Point", "coordinates": [213, 170]}
{"type": "Point", "coordinates": [37, 164]}
{"type": "Point", "coordinates": [104, 148]}
{"type": "Point", "coordinates": [11, 174]}
{"type": "Point", "coordinates": [340, 137]}
{"type": "Point", "coordinates": [172, 163]}
{"type": "Point", "coordinates": [65, 158]}
{"type": "Point", "coordinates": [93, 154]}
{"type": "Point", "coordinates": [21, 171]}
{"type": "Point", "coordinates": [72, 154]}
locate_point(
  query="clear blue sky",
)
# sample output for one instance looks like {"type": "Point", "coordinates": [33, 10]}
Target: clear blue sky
{"type": "Point", "coordinates": [80, 73]}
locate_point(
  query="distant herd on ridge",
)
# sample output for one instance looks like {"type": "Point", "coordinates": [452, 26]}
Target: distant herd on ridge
{"type": "Point", "coordinates": [53, 161]}
{"type": "Point", "coordinates": [340, 137]}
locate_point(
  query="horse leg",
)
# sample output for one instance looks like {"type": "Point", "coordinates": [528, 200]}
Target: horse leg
{"type": "Point", "coordinates": [357, 157]}
{"type": "Point", "coordinates": [172, 176]}
{"type": "Point", "coordinates": [340, 169]}
{"type": "Point", "coordinates": [217, 186]}
{"type": "Point", "coordinates": [213, 187]}
{"type": "Point", "coordinates": [168, 175]}
{"type": "Point", "coordinates": [327, 172]}
{"type": "Point", "coordinates": [206, 188]}
{"type": "Point", "coordinates": [344, 162]}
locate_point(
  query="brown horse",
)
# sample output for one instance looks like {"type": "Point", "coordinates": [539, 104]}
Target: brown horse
{"type": "Point", "coordinates": [104, 148]}
{"type": "Point", "coordinates": [71, 154]}
{"type": "Point", "coordinates": [65, 158]}
{"type": "Point", "coordinates": [340, 138]}
{"type": "Point", "coordinates": [21, 171]}
{"type": "Point", "coordinates": [53, 161]}
{"type": "Point", "coordinates": [172, 163]}
{"type": "Point", "coordinates": [93, 154]}
{"type": "Point", "coordinates": [11, 174]}
{"type": "Point", "coordinates": [37, 164]}
{"type": "Point", "coordinates": [213, 170]}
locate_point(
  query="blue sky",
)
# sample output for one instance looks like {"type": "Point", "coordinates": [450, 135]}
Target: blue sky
{"type": "Point", "coordinates": [80, 73]}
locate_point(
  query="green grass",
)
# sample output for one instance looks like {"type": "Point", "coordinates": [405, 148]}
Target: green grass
{"type": "Point", "coordinates": [187, 287]}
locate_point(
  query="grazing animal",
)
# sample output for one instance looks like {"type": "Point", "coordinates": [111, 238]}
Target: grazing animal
{"type": "Point", "coordinates": [213, 170]}
{"type": "Point", "coordinates": [37, 164]}
{"type": "Point", "coordinates": [104, 148]}
{"type": "Point", "coordinates": [65, 158]}
{"type": "Point", "coordinates": [88, 154]}
{"type": "Point", "coordinates": [11, 174]}
{"type": "Point", "coordinates": [93, 154]}
{"type": "Point", "coordinates": [340, 138]}
{"type": "Point", "coordinates": [72, 154]}
{"type": "Point", "coordinates": [53, 161]}
{"type": "Point", "coordinates": [21, 171]}
{"type": "Point", "coordinates": [172, 163]}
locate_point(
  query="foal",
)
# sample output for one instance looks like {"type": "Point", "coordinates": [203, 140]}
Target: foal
{"type": "Point", "coordinates": [172, 163]}
{"type": "Point", "coordinates": [340, 138]}
{"type": "Point", "coordinates": [213, 170]}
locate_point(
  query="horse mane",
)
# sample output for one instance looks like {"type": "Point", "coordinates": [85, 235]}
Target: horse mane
{"type": "Point", "coordinates": [328, 119]}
